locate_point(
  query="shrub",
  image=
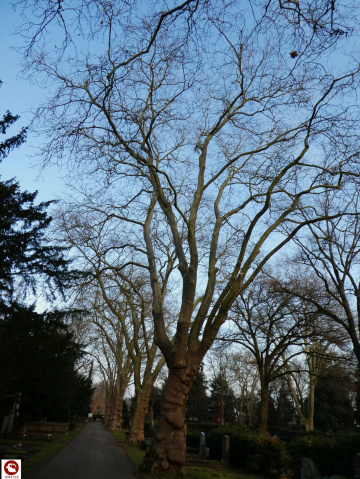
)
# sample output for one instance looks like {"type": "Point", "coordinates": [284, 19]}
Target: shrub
{"type": "Point", "coordinates": [269, 456]}
{"type": "Point", "coordinates": [331, 452]}
{"type": "Point", "coordinates": [256, 453]}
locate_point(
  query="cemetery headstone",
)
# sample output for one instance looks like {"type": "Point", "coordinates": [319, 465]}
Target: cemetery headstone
{"type": "Point", "coordinates": [308, 469]}
{"type": "Point", "coordinates": [204, 452]}
{"type": "Point", "coordinates": [225, 456]}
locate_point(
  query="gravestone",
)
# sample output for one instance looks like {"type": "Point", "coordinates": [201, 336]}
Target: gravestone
{"type": "Point", "coordinates": [204, 451]}
{"type": "Point", "coordinates": [356, 465]}
{"type": "Point", "coordinates": [308, 469]}
{"type": "Point", "coordinates": [202, 440]}
{"type": "Point", "coordinates": [225, 456]}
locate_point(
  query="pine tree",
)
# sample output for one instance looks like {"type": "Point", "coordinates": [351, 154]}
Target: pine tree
{"type": "Point", "coordinates": [26, 256]}
{"type": "Point", "coordinates": [38, 353]}
{"type": "Point", "coordinates": [198, 402]}
{"type": "Point", "coordinates": [13, 142]}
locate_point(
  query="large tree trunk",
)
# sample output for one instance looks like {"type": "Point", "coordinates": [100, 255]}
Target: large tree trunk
{"type": "Point", "coordinates": [137, 434]}
{"type": "Point", "coordinates": [109, 411]}
{"type": "Point", "coordinates": [118, 407]}
{"type": "Point", "coordinates": [264, 408]}
{"type": "Point", "coordinates": [169, 448]}
{"type": "Point", "coordinates": [306, 417]}
{"type": "Point", "coordinates": [309, 422]}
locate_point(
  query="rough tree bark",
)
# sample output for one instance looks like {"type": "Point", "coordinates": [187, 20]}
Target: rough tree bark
{"type": "Point", "coordinates": [116, 421]}
{"type": "Point", "coordinates": [264, 407]}
{"type": "Point", "coordinates": [168, 452]}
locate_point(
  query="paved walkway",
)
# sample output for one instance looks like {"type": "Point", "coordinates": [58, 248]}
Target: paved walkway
{"type": "Point", "coordinates": [93, 454]}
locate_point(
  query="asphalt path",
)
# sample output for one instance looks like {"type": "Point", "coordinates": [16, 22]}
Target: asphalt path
{"type": "Point", "coordinates": [93, 454]}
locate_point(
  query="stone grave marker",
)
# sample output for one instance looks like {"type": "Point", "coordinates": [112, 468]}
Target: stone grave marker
{"type": "Point", "coordinates": [225, 456]}
{"type": "Point", "coordinates": [308, 469]}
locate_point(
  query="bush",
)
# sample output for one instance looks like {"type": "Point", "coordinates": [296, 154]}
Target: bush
{"type": "Point", "coordinates": [249, 450]}
{"type": "Point", "coordinates": [269, 456]}
{"type": "Point", "coordinates": [331, 452]}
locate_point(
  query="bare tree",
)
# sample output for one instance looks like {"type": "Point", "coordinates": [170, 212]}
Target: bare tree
{"type": "Point", "coordinates": [321, 339]}
{"type": "Point", "coordinates": [268, 326]}
{"type": "Point", "coordinates": [330, 251]}
{"type": "Point", "coordinates": [246, 383]}
{"type": "Point", "coordinates": [119, 303]}
{"type": "Point", "coordinates": [109, 350]}
{"type": "Point", "coordinates": [207, 137]}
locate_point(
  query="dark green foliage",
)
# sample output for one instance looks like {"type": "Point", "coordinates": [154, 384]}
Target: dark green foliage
{"type": "Point", "coordinates": [252, 451]}
{"type": "Point", "coordinates": [26, 257]}
{"type": "Point", "coordinates": [331, 452]}
{"type": "Point", "coordinates": [333, 406]}
{"type": "Point", "coordinates": [281, 405]}
{"type": "Point", "coordinates": [155, 402]}
{"type": "Point", "coordinates": [40, 358]}
{"type": "Point", "coordinates": [197, 405]}
{"type": "Point", "coordinates": [269, 456]}
{"type": "Point", "coordinates": [357, 398]}
{"type": "Point", "coordinates": [38, 354]}
{"type": "Point", "coordinates": [272, 456]}
{"type": "Point", "coordinates": [222, 402]}
{"type": "Point", "coordinates": [13, 142]}
{"type": "Point", "coordinates": [126, 416]}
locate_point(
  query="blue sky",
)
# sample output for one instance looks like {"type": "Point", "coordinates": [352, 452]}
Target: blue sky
{"type": "Point", "coordinates": [20, 96]}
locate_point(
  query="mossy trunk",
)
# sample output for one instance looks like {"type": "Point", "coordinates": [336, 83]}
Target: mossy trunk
{"type": "Point", "coordinates": [109, 411]}
{"type": "Point", "coordinates": [169, 448]}
{"type": "Point", "coordinates": [137, 434]}
{"type": "Point", "coordinates": [117, 412]}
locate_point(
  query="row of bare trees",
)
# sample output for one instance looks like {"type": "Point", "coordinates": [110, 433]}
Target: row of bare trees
{"type": "Point", "coordinates": [280, 321]}
{"type": "Point", "coordinates": [202, 137]}
{"type": "Point", "coordinates": [117, 300]}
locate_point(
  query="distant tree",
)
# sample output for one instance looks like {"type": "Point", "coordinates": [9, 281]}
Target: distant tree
{"type": "Point", "coordinates": [197, 405]}
{"type": "Point", "coordinates": [120, 301]}
{"type": "Point", "coordinates": [357, 398]}
{"type": "Point", "coordinates": [222, 403]}
{"type": "Point", "coordinates": [268, 327]}
{"type": "Point", "coordinates": [126, 416]}
{"type": "Point", "coordinates": [15, 141]}
{"type": "Point", "coordinates": [281, 404]}
{"type": "Point", "coordinates": [99, 398]}
{"type": "Point", "coordinates": [40, 359]}
{"type": "Point", "coordinates": [155, 403]}
{"type": "Point", "coordinates": [246, 381]}
{"type": "Point", "coordinates": [38, 353]}
{"type": "Point", "coordinates": [331, 251]}
{"type": "Point", "coordinates": [334, 410]}
{"type": "Point", "coordinates": [27, 257]}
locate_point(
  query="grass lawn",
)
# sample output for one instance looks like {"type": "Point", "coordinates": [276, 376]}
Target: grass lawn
{"type": "Point", "coordinates": [39, 448]}
{"type": "Point", "coordinates": [195, 467]}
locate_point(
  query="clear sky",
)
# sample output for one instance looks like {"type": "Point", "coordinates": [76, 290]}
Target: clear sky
{"type": "Point", "coordinates": [20, 96]}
